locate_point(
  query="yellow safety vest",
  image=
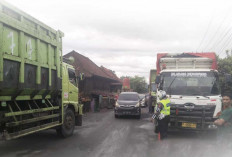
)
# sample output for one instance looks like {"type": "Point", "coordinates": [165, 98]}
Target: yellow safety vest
{"type": "Point", "coordinates": [166, 103]}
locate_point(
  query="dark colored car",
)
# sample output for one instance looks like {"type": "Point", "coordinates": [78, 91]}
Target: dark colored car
{"type": "Point", "coordinates": [128, 103]}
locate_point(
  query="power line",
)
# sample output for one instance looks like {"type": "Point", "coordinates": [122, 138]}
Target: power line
{"type": "Point", "coordinates": [225, 44]}
{"type": "Point", "coordinates": [205, 33]}
{"type": "Point", "coordinates": [217, 30]}
{"type": "Point", "coordinates": [221, 39]}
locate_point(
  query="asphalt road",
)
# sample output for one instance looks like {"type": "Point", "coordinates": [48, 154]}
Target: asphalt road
{"type": "Point", "coordinates": [104, 136]}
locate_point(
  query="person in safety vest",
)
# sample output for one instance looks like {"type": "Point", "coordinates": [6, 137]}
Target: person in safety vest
{"type": "Point", "coordinates": [162, 114]}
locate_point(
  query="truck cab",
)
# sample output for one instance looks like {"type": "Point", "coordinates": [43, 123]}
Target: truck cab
{"type": "Point", "coordinates": [193, 88]}
{"type": "Point", "coordinates": [71, 109]}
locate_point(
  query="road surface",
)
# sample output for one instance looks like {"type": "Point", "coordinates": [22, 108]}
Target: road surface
{"type": "Point", "coordinates": [104, 136]}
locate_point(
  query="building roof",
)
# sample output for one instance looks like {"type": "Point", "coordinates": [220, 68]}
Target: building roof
{"type": "Point", "coordinates": [89, 68]}
{"type": "Point", "coordinates": [110, 73]}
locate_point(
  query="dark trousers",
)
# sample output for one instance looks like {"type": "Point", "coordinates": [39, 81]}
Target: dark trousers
{"type": "Point", "coordinates": [152, 109]}
{"type": "Point", "coordinates": [163, 126]}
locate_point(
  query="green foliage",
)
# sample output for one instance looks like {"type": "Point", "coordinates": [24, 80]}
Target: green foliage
{"type": "Point", "coordinates": [138, 84]}
{"type": "Point", "coordinates": [224, 67]}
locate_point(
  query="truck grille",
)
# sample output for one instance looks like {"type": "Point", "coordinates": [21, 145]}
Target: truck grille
{"type": "Point", "coordinates": [202, 115]}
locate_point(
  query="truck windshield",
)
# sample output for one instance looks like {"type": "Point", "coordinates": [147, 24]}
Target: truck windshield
{"type": "Point", "coordinates": [190, 83]}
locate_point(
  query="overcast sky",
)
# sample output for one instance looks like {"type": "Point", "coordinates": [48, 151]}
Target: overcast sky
{"type": "Point", "coordinates": [126, 35]}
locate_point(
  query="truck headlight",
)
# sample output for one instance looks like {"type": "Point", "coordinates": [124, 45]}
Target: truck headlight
{"type": "Point", "coordinates": [116, 104]}
{"type": "Point", "coordinates": [137, 105]}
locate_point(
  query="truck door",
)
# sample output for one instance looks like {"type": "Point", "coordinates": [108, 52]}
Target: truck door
{"type": "Point", "coordinates": [73, 90]}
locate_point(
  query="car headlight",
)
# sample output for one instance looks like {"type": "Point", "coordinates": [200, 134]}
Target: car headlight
{"type": "Point", "coordinates": [137, 105]}
{"type": "Point", "coordinates": [116, 104]}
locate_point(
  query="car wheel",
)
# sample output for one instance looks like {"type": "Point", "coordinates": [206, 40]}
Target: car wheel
{"type": "Point", "coordinates": [115, 116]}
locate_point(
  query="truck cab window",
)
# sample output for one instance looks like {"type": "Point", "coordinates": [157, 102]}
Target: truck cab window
{"type": "Point", "coordinates": [72, 77]}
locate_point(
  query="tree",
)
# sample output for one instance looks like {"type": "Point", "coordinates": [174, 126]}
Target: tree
{"type": "Point", "coordinates": [225, 67]}
{"type": "Point", "coordinates": [138, 84]}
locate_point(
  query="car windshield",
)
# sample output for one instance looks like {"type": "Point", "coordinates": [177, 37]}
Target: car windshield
{"type": "Point", "coordinates": [128, 97]}
{"type": "Point", "coordinates": [190, 83]}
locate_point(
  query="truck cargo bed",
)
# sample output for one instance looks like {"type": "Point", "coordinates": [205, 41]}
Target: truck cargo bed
{"type": "Point", "coordinates": [30, 55]}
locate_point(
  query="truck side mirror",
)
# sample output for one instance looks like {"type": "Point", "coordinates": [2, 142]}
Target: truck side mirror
{"type": "Point", "coordinates": [228, 78]}
{"type": "Point", "coordinates": [157, 79]}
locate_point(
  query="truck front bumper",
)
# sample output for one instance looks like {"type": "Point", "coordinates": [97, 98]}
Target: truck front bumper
{"type": "Point", "coordinates": [189, 124]}
{"type": "Point", "coordinates": [197, 119]}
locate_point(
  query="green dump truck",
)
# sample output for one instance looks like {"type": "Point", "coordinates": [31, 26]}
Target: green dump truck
{"type": "Point", "coordinates": [152, 90]}
{"type": "Point", "coordinates": [152, 84]}
{"type": "Point", "coordinates": [38, 90]}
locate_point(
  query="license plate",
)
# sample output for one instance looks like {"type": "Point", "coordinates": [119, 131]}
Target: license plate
{"type": "Point", "coordinates": [189, 125]}
{"type": "Point", "coordinates": [126, 112]}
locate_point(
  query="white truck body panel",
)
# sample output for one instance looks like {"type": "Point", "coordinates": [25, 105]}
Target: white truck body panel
{"type": "Point", "coordinates": [186, 63]}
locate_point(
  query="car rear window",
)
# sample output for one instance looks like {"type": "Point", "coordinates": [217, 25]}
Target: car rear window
{"type": "Point", "coordinates": [129, 97]}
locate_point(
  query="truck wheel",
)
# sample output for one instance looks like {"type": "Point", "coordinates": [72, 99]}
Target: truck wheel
{"type": "Point", "coordinates": [67, 128]}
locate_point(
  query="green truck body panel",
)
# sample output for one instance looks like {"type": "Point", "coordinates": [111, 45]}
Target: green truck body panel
{"type": "Point", "coordinates": [152, 80]}
{"type": "Point", "coordinates": [31, 54]}
{"type": "Point", "coordinates": [35, 85]}
{"type": "Point", "coordinates": [152, 75]}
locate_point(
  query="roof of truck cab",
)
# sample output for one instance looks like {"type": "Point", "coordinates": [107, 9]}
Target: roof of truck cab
{"type": "Point", "coordinates": [187, 70]}
{"type": "Point", "coordinates": [210, 55]}
{"type": "Point", "coordinates": [68, 65]}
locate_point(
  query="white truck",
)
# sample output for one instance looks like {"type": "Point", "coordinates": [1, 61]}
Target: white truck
{"type": "Point", "coordinates": [191, 82]}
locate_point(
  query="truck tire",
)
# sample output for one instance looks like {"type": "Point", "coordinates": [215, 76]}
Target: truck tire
{"type": "Point", "coordinates": [67, 128]}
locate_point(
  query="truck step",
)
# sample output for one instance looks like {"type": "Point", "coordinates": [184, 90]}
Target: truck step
{"type": "Point", "coordinates": [31, 120]}
{"type": "Point", "coordinates": [7, 136]}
